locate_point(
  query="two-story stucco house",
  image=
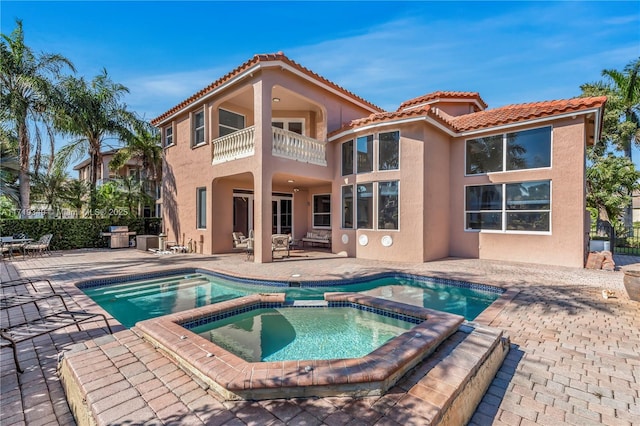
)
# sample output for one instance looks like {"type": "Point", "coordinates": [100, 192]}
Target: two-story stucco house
{"type": "Point", "coordinates": [275, 148]}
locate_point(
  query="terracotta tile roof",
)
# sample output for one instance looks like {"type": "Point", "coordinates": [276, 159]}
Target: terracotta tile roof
{"type": "Point", "coordinates": [521, 112]}
{"type": "Point", "coordinates": [442, 95]}
{"type": "Point", "coordinates": [510, 114]}
{"type": "Point", "coordinates": [260, 58]}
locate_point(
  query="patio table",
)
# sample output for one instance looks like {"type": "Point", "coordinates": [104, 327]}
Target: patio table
{"type": "Point", "coordinates": [15, 243]}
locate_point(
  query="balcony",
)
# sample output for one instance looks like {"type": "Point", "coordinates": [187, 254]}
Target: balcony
{"type": "Point", "coordinates": [286, 144]}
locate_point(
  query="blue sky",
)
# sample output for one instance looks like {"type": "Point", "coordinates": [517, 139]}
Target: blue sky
{"type": "Point", "coordinates": [386, 52]}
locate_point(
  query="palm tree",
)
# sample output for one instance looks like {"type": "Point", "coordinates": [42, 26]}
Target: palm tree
{"type": "Point", "coordinates": [621, 125]}
{"type": "Point", "coordinates": [49, 187]}
{"type": "Point", "coordinates": [146, 148]}
{"type": "Point", "coordinates": [74, 194]}
{"type": "Point", "coordinates": [622, 118]}
{"type": "Point", "coordinates": [93, 112]}
{"type": "Point", "coordinates": [28, 90]}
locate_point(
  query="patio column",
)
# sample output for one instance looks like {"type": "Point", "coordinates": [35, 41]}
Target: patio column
{"type": "Point", "coordinates": [263, 173]}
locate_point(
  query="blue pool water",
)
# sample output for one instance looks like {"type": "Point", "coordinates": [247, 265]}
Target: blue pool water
{"type": "Point", "coordinates": [137, 300]}
{"type": "Point", "coordinates": [289, 334]}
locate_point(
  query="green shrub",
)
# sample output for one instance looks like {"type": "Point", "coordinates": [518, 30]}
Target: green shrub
{"type": "Point", "coordinates": [76, 233]}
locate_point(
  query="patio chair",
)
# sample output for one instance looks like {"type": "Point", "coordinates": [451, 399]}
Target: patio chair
{"type": "Point", "coordinates": [239, 240]}
{"type": "Point", "coordinates": [280, 242]}
{"type": "Point", "coordinates": [39, 247]}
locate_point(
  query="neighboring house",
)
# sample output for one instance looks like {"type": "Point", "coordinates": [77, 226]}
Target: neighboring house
{"type": "Point", "coordinates": [133, 167]}
{"type": "Point", "coordinates": [276, 148]}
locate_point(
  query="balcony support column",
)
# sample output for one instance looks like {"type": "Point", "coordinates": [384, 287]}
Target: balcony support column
{"type": "Point", "coordinates": [263, 172]}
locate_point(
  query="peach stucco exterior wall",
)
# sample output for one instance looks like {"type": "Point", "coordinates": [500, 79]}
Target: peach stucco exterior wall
{"type": "Point", "coordinates": [187, 168]}
{"type": "Point", "coordinates": [565, 244]}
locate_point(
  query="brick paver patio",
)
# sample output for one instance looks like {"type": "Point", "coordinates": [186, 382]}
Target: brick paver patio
{"type": "Point", "coordinates": [575, 357]}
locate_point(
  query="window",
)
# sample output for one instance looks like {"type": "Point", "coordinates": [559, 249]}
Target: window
{"type": "Point", "coordinates": [347, 207]}
{"type": "Point", "coordinates": [229, 122]}
{"type": "Point", "coordinates": [388, 205]}
{"type": "Point", "coordinates": [347, 158]}
{"type": "Point", "coordinates": [168, 136]}
{"type": "Point", "coordinates": [365, 153]}
{"type": "Point", "coordinates": [388, 150]}
{"type": "Point", "coordinates": [522, 206]}
{"type": "Point", "coordinates": [198, 128]}
{"type": "Point", "coordinates": [201, 208]}
{"type": "Point", "coordinates": [528, 149]}
{"type": "Point", "coordinates": [322, 211]}
{"type": "Point", "coordinates": [528, 206]}
{"type": "Point", "coordinates": [292, 125]}
{"type": "Point", "coordinates": [364, 206]}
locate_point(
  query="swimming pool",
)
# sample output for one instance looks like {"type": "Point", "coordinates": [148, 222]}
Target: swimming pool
{"type": "Point", "coordinates": [133, 299]}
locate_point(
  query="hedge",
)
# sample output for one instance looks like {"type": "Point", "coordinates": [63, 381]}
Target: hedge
{"type": "Point", "coordinates": [76, 233]}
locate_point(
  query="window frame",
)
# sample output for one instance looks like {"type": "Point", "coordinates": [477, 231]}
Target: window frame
{"type": "Point", "coordinates": [201, 207]}
{"type": "Point", "coordinates": [372, 214]}
{"type": "Point", "coordinates": [165, 137]}
{"type": "Point", "coordinates": [342, 207]}
{"type": "Point", "coordinates": [504, 211]}
{"type": "Point", "coordinates": [287, 120]}
{"type": "Point", "coordinates": [505, 139]}
{"type": "Point", "coordinates": [194, 129]}
{"type": "Point", "coordinates": [314, 213]}
{"type": "Point", "coordinates": [376, 143]}
{"type": "Point", "coordinates": [378, 203]}
{"type": "Point", "coordinates": [244, 121]}
{"type": "Point", "coordinates": [353, 170]}
{"type": "Point", "coordinates": [373, 154]}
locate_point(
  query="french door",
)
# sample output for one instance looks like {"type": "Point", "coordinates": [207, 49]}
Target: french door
{"type": "Point", "coordinates": [281, 212]}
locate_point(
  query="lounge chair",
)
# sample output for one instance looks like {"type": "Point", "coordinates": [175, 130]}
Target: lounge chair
{"type": "Point", "coordinates": [39, 247]}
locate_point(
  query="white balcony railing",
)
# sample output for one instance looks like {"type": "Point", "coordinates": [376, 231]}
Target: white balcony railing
{"type": "Point", "coordinates": [291, 145]}
{"type": "Point", "coordinates": [286, 144]}
{"type": "Point", "coordinates": [236, 145]}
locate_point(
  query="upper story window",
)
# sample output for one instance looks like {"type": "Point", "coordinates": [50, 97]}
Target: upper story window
{"type": "Point", "coordinates": [384, 146]}
{"type": "Point", "coordinates": [229, 122]}
{"type": "Point", "coordinates": [388, 150]}
{"type": "Point", "coordinates": [364, 149]}
{"type": "Point", "coordinates": [168, 136]}
{"type": "Point", "coordinates": [295, 125]}
{"type": "Point", "coordinates": [198, 128]}
{"type": "Point", "coordinates": [347, 158]}
{"type": "Point", "coordinates": [322, 211]}
{"type": "Point", "coordinates": [527, 149]}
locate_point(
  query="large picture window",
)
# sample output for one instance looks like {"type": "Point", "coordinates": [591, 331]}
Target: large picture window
{"type": "Point", "coordinates": [528, 149]}
{"type": "Point", "coordinates": [201, 208]}
{"type": "Point", "coordinates": [364, 146]}
{"type": "Point", "coordinates": [388, 150]}
{"type": "Point", "coordinates": [524, 206]}
{"type": "Point", "coordinates": [347, 207]}
{"type": "Point", "coordinates": [347, 158]}
{"type": "Point", "coordinates": [322, 211]}
{"type": "Point", "coordinates": [388, 205]}
{"type": "Point", "coordinates": [364, 206]}
{"type": "Point", "coordinates": [229, 122]}
{"type": "Point", "coordinates": [198, 128]}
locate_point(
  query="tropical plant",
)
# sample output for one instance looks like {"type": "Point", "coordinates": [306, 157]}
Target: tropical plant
{"type": "Point", "coordinates": [145, 147]}
{"type": "Point", "coordinates": [622, 115]}
{"type": "Point", "coordinates": [611, 181]}
{"type": "Point", "coordinates": [9, 169]}
{"type": "Point", "coordinates": [75, 194]}
{"type": "Point", "coordinates": [93, 112]}
{"type": "Point", "coordinates": [48, 188]}
{"type": "Point", "coordinates": [28, 90]}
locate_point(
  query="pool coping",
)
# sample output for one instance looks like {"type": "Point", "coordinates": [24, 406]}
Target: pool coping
{"type": "Point", "coordinates": [234, 378]}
